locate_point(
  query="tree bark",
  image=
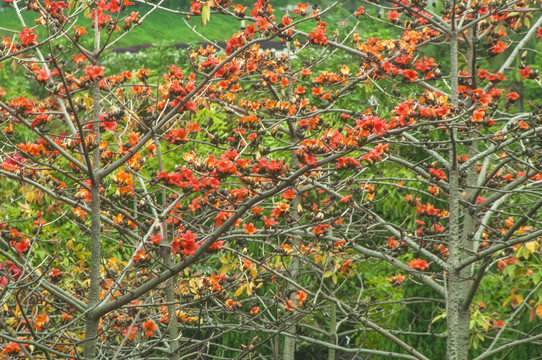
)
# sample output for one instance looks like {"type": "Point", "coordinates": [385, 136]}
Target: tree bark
{"type": "Point", "coordinates": [458, 336]}
{"type": "Point", "coordinates": [293, 270]}
{"type": "Point", "coordinates": [332, 330]}
{"type": "Point", "coordinates": [92, 323]}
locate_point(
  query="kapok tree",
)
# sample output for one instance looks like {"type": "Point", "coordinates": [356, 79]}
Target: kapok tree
{"type": "Point", "coordinates": [234, 205]}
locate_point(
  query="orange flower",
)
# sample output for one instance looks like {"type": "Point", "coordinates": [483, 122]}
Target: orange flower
{"type": "Point", "coordinates": [301, 296]}
{"type": "Point", "coordinates": [232, 303]}
{"type": "Point", "coordinates": [239, 10]}
{"type": "Point", "coordinates": [11, 348]}
{"type": "Point", "coordinates": [289, 305]}
{"type": "Point", "coordinates": [94, 72]}
{"type": "Point", "coordinates": [301, 9]}
{"type": "Point", "coordinates": [418, 264]}
{"type": "Point", "coordinates": [339, 243]}
{"type": "Point", "coordinates": [149, 327]}
{"type": "Point", "coordinates": [255, 310]}
{"type": "Point", "coordinates": [250, 229]}
{"type": "Point", "coordinates": [79, 212]}
{"type": "Point", "coordinates": [40, 321]}
{"type": "Point", "coordinates": [318, 230]}
{"type": "Point", "coordinates": [139, 257]}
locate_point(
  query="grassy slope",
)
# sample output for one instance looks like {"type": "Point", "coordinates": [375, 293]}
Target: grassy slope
{"type": "Point", "coordinates": [159, 28]}
{"type": "Point", "coordinates": [166, 28]}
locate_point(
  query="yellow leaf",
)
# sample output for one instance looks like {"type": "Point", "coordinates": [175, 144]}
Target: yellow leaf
{"type": "Point", "coordinates": [531, 246]}
{"type": "Point", "coordinates": [334, 278]}
{"type": "Point", "coordinates": [30, 196]}
{"type": "Point", "coordinates": [205, 14]}
{"type": "Point", "coordinates": [327, 274]}
{"type": "Point", "coordinates": [239, 290]}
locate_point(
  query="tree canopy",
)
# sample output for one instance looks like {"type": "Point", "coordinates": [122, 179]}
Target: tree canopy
{"type": "Point", "coordinates": [372, 188]}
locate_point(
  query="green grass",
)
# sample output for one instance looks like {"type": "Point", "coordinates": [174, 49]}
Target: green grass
{"type": "Point", "coordinates": [166, 28]}
{"type": "Point", "coordinates": [158, 28]}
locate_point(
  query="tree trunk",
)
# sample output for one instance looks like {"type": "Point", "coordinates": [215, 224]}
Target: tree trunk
{"type": "Point", "coordinates": [92, 323]}
{"type": "Point", "coordinates": [293, 270]}
{"type": "Point", "coordinates": [456, 317]}
{"type": "Point", "coordinates": [165, 253]}
{"type": "Point", "coordinates": [332, 330]}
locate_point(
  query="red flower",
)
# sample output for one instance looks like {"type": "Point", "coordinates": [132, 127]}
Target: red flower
{"type": "Point", "coordinates": [79, 31]}
{"type": "Point", "coordinates": [55, 273]}
{"type": "Point", "coordinates": [289, 194]}
{"type": "Point", "coordinates": [345, 199]}
{"type": "Point", "coordinates": [318, 230]}
{"type": "Point", "coordinates": [11, 347]}
{"type": "Point", "coordinates": [239, 10]}
{"type": "Point", "coordinates": [140, 257]}
{"type": "Point", "coordinates": [318, 36]}
{"type": "Point", "coordinates": [412, 75]}
{"type": "Point", "coordinates": [217, 245]}
{"type": "Point", "coordinates": [392, 243]}
{"type": "Point", "coordinates": [347, 162]}
{"type": "Point", "coordinates": [498, 48]}
{"type": "Point", "coordinates": [526, 72]}
{"type": "Point", "coordinates": [189, 243]}
{"type": "Point", "coordinates": [439, 174]}
{"type": "Point", "coordinates": [393, 15]}
{"type": "Point", "coordinates": [196, 7]}
{"type": "Point", "coordinates": [506, 262]}
{"type": "Point", "coordinates": [94, 72]}
{"type": "Point", "coordinates": [418, 264]}
{"type": "Point", "coordinates": [396, 279]}
{"type": "Point", "coordinates": [250, 229]}
{"type": "Point", "coordinates": [539, 33]}
{"type": "Point", "coordinates": [79, 59]}
{"type": "Point", "coordinates": [482, 74]}
{"type": "Point", "coordinates": [155, 239]}
{"type": "Point", "coordinates": [360, 11]}
{"type": "Point", "coordinates": [339, 243]}
{"type": "Point", "coordinates": [27, 37]}
{"type": "Point", "coordinates": [177, 136]}
{"type": "Point", "coordinates": [301, 9]}
{"type": "Point", "coordinates": [21, 247]}
{"type": "Point", "coordinates": [269, 221]}
{"type": "Point", "coordinates": [513, 96]}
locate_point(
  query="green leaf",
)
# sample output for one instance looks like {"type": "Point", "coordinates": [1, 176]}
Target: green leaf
{"type": "Point", "coordinates": [536, 278]}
